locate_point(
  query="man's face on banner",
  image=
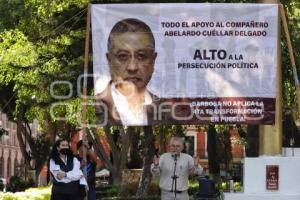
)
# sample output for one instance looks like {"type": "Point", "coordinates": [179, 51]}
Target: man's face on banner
{"type": "Point", "coordinates": [131, 58]}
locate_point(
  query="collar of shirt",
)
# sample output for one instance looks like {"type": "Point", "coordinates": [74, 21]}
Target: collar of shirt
{"type": "Point", "coordinates": [128, 117]}
{"type": "Point", "coordinates": [65, 161]}
{"type": "Point", "coordinates": [171, 155]}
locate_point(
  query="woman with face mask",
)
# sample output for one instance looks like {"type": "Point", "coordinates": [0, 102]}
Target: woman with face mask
{"type": "Point", "coordinates": [65, 171]}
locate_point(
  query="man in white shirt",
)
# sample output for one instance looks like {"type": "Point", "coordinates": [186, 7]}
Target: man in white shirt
{"type": "Point", "coordinates": [131, 56]}
{"type": "Point", "coordinates": [174, 169]}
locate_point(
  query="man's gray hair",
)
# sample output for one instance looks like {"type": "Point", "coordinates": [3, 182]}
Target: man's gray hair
{"type": "Point", "coordinates": [179, 139]}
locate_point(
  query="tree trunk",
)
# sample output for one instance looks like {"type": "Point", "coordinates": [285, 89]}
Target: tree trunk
{"type": "Point", "coordinates": [22, 145]}
{"type": "Point", "coordinates": [25, 139]}
{"type": "Point", "coordinates": [213, 162]}
{"type": "Point", "coordinates": [162, 140]}
{"type": "Point", "coordinates": [116, 174]}
{"type": "Point", "coordinates": [50, 129]}
{"type": "Point", "coordinates": [145, 179]}
{"type": "Point", "coordinates": [119, 142]}
{"type": "Point", "coordinates": [227, 151]}
{"type": "Point", "coordinates": [135, 161]}
{"type": "Point", "coordinates": [252, 141]}
{"type": "Point", "coordinates": [98, 146]}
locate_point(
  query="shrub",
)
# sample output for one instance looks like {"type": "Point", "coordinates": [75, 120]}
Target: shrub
{"type": "Point", "coordinates": [113, 191]}
{"type": "Point", "coordinates": [237, 187]}
{"type": "Point", "coordinates": [133, 198]}
{"type": "Point", "coordinates": [1, 185]}
{"type": "Point", "coordinates": [17, 184]}
{"type": "Point", "coordinates": [42, 193]}
{"type": "Point", "coordinates": [193, 187]}
{"type": "Point", "coordinates": [107, 191]}
{"type": "Point", "coordinates": [224, 186]}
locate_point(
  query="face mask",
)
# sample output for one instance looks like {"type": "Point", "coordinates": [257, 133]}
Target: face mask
{"type": "Point", "coordinates": [64, 151]}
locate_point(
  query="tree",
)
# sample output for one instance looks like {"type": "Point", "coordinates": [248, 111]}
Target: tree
{"type": "Point", "coordinates": [145, 179]}
{"type": "Point", "coordinates": [212, 150]}
{"type": "Point", "coordinates": [119, 141]}
{"type": "Point", "coordinates": [32, 57]}
{"type": "Point", "coordinates": [225, 153]}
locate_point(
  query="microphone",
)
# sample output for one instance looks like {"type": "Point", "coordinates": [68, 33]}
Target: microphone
{"type": "Point", "coordinates": [174, 155]}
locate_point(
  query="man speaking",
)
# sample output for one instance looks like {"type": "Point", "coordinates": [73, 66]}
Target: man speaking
{"type": "Point", "coordinates": [174, 169]}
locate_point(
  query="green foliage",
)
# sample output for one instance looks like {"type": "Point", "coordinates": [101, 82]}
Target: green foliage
{"type": "Point", "coordinates": [193, 187]}
{"type": "Point", "coordinates": [224, 186]}
{"type": "Point", "coordinates": [293, 13]}
{"type": "Point", "coordinates": [41, 193]}
{"type": "Point", "coordinates": [29, 65]}
{"type": "Point", "coordinates": [169, 130]}
{"type": "Point", "coordinates": [115, 190]}
{"type": "Point", "coordinates": [132, 198]}
{"type": "Point", "coordinates": [237, 187]}
{"type": "Point", "coordinates": [44, 43]}
{"type": "Point", "coordinates": [17, 184]}
{"type": "Point", "coordinates": [111, 191]}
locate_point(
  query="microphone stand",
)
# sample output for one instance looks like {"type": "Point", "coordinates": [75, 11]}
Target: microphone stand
{"type": "Point", "coordinates": [174, 177]}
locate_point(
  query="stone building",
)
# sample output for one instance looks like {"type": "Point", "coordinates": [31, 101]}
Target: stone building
{"type": "Point", "coordinates": [11, 159]}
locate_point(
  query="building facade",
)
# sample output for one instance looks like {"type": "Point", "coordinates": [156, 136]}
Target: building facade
{"type": "Point", "coordinates": [11, 159]}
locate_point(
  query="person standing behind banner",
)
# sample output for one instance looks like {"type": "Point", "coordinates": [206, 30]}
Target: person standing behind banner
{"type": "Point", "coordinates": [65, 172]}
{"type": "Point", "coordinates": [174, 169]}
{"type": "Point", "coordinates": [90, 166]}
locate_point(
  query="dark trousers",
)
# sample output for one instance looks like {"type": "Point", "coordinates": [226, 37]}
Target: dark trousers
{"type": "Point", "coordinates": [55, 196]}
{"type": "Point", "coordinates": [66, 191]}
{"type": "Point", "coordinates": [92, 194]}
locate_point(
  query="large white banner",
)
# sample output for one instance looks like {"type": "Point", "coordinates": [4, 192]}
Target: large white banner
{"type": "Point", "coordinates": [212, 63]}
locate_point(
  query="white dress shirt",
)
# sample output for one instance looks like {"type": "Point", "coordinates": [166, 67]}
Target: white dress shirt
{"type": "Point", "coordinates": [129, 117]}
{"type": "Point", "coordinates": [74, 175]}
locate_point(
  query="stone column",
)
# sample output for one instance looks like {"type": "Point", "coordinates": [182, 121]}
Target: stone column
{"type": "Point", "coordinates": [2, 164]}
{"type": "Point", "coordinates": [5, 156]}
{"type": "Point", "coordinates": [12, 158]}
{"type": "Point", "coordinates": [19, 160]}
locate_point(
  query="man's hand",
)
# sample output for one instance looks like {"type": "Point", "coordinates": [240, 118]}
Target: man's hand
{"type": "Point", "coordinates": [156, 160]}
{"type": "Point", "coordinates": [60, 175]}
